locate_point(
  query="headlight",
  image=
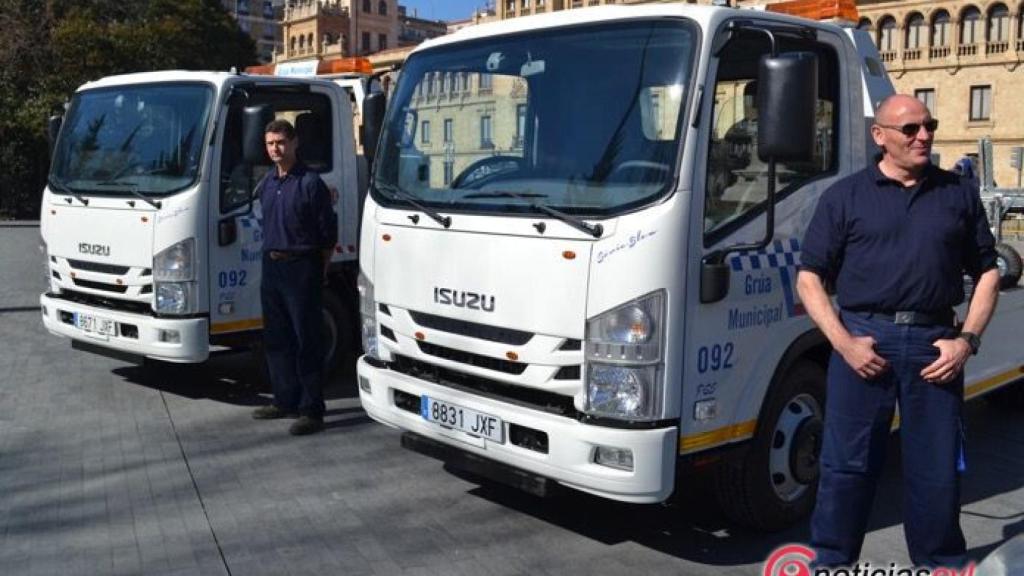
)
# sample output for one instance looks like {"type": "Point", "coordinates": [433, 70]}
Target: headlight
{"type": "Point", "coordinates": [624, 367]}
{"type": "Point", "coordinates": [174, 289]}
{"type": "Point", "coordinates": [368, 317]}
{"type": "Point", "coordinates": [174, 297]}
{"type": "Point", "coordinates": [176, 263]}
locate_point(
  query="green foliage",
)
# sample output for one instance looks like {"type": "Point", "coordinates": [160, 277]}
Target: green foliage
{"type": "Point", "coordinates": [54, 46]}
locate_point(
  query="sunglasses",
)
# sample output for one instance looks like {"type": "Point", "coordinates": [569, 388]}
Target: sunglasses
{"type": "Point", "coordinates": [913, 129]}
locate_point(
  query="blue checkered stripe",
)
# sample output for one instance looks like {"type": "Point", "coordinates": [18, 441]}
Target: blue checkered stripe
{"type": "Point", "coordinates": [778, 254]}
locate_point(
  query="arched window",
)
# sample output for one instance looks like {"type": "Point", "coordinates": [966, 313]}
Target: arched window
{"type": "Point", "coordinates": [366, 6]}
{"type": "Point", "coordinates": [309, 41]}
{"type": "Point", "coordinates": [864, 24]}
{"type": "Point", "coordinates": [887, 34]}
{"type": "Point", "coordinates": [940, 29]}
{"type": "Point", "coordinates": [998, 23]}
{"type": "Point", "coordinates": [382, 8]}
{"type": "Point", "coordinates": [970, 26]}
{"type": "Point", "coordinates": [916, 31]}
{"type": "Point", "coordinates": [302, 42]}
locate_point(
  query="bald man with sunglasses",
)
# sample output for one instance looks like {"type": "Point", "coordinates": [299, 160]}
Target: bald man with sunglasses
{"type": "Point", "coordinates": [895, 240]}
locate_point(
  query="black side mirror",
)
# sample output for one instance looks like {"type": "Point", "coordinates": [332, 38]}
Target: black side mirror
{"type": "Point", "coordinates": [227, 232]}
{"type": "Point", "coordinates": [52, 130]}
{"type": "Point", "coordinates": [254, 121]}
{"type": "Point", "coordinates": [373, 119]}
{"type": "Point", "coordinates": [786, 101]}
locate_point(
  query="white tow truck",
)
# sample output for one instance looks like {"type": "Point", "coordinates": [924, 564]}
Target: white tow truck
{"type": "Point", "coordinates": [149, 223]}
{"type": "Point", "coordinates": [587, 277]}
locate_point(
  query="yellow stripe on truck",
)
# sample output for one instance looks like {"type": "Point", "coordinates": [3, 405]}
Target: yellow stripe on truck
{"type": "Point", "coordinates": [237, 326]}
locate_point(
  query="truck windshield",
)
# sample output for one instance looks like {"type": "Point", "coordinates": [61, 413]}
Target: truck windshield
{"type": "Point", "coordinates": [584, 119]}
{"type": "Point", "coordinates": [142, 138]}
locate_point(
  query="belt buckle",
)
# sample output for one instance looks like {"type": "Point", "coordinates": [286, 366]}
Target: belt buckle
{"type": "Point", "coordinates": [903, 318]}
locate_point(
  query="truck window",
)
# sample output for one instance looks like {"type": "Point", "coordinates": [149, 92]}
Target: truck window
{"type": "Point", "coordinates": [736, 177]}
{"type": "Point", "coordinates": [310, 113]}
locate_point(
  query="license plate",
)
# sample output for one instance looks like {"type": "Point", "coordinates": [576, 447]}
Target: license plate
{"type": "Point", "coordinates": [95, 326]}
{"type": "Point", "coordinates": [469, 421]}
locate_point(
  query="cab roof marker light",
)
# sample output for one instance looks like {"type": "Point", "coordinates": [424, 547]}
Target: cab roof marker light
{"type": "Point", "coordinates": [845, 10]}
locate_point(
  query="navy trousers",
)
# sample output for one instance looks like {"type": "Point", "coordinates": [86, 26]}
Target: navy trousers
{"type": "Point", "coordinates": [291, 295]}
{"type": "Point", "coordinates": [858, 414]}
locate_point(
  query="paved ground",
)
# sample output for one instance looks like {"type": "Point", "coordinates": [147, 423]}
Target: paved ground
{"type": "Point", "coordinates": [107, 468]}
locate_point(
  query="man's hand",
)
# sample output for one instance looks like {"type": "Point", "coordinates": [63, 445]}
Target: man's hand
{"type": "Point", "coordinates": [859, 353]}
{"type": "Point", "coordinates": [953, 354]}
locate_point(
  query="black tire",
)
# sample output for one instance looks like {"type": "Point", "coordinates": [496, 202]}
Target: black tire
{"type": "Point", "coordinates": [338, 329]}
{"type": "Point", "coordinates": [1010, 266]}
{"type": "Point", "coordinates": [773, 483]}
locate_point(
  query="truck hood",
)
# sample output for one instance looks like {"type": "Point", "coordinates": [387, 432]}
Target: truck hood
{"type": "Point", "coordinates": [529, 284]}
{"type": "Point", "coordinates": [96, 234]}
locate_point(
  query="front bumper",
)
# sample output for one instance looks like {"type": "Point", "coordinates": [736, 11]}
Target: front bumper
{"type": "Point", "coordinates": [193, 343]}
{"type": "Point", "coordinates": [571, 444]}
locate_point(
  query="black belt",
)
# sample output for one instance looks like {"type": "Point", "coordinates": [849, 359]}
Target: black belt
{"type": "Point", "coordinates": [284, 255]}
{"type": "Point", "coordinates": [943, 318]}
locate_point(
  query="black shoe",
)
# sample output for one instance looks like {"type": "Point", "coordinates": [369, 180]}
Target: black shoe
{"type": "Point", "coordinates": [271, 412]}
{"type": "Point", "coordinates": [306, 425]}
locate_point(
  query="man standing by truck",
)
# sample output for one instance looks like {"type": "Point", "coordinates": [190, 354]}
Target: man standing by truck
{"type": "Point", "coordinates": [896, 239]}
{"type": "Point", "coordinates": [300, 229]}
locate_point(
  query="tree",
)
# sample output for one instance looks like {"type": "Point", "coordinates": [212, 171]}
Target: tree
{"type": "Point", "coordinates": [54, 46]}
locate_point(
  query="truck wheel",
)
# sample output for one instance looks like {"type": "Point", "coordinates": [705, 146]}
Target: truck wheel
{"type": "Point", "coordinates": [1010, 266]}
{"type": "Point", "coordinates": [338, 330]}
{"type": "Point", "coordinates": [773, 483]}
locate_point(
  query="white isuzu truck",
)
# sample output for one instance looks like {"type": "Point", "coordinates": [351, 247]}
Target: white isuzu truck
{"type": "Point", "coordinates": [580, 247]}
{"type": "Point", "coordinates": [150, 227]}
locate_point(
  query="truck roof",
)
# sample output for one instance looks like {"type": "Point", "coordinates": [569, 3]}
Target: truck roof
{"type": "Point", "coordinates": [215, 78]}
{"type": "Point", "coordinates": [704, 15]}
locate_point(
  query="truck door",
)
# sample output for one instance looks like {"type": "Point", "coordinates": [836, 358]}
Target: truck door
{"type": "Point", "coordinates": [235, 265]}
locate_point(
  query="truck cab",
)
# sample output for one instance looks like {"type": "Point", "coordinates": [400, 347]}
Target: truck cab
{"type": "Point", "coordinates": [580, 248]}
{"type": "Point", "coordinates": [150, 224]}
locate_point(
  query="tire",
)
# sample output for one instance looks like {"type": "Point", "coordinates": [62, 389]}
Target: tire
{"type": "Point", "coordinates": [773, 483]}
{"type": "Point", "coordinates": [1010, 266]}
{"type": "Point", "coordinates": [338, 329]}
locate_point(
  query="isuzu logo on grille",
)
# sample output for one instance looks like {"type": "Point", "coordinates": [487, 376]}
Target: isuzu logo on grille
{"type": "Point", "coordinates": [464, 299]}
{"type": "Point", "coordinates": [94, 249]}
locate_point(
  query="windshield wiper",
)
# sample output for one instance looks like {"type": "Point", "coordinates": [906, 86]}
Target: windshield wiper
{"type": "Point", "coordinates": [397, 192]}
{"type": "Point", "coordinates": [133, 189]}
{"type": "Point", "coordinates": [595, 230]}
{"type": "Point", "coordinates": [65, 190]}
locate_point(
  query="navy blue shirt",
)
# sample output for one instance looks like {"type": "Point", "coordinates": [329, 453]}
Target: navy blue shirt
{"type": "Point", "coordinates": [890, 248]}
{"type": "Point", "coordinates": [297, 211]}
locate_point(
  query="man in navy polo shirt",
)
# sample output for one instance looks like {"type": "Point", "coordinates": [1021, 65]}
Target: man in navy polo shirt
{"type": "Point", "coordinates": [895, 239]}
{"type": "Point", "coordinates": [300, 229]}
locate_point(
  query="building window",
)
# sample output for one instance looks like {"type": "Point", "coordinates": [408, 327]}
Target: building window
{"type": "Point", "coordinates": [887, 34]}
{"type": "Point", "coordinates": [382, 42]}
{"type": "Point", "coordinates": [486, 82]}
{"type": "Point", "coordinates": [970, 27]}
{"type": "Point", "coordinates": [366, 6]}
{"type": "Point", "coordinates": [268, 10]}
{"type": "Point", "coordinates": [382, 8]}
{"type": "Point", "coordinates": [981, 102]}
{"type": "Point", "coordinates": [916, 31]}
{"type": "Point", "coordinates": [449, 172]}
{"type": "Point", "coordinates": [447, 130]}
{"type": "Point", "coordinates": [998, 24]}
{"type": "Point", "coordinates": [520, 124]}
{"type": "Point", "coordinates": [425, 132]}
{"type": "Point", "coordinates": [864, 24]}
{"type": "Point", "coordinates": [366, 42]}
{"type": "Point", "coordinates": [940, 29]}
{"type": "Point", "coordinates": [927, 97]}
{"type": "Point", "coordinates": [485, 132]}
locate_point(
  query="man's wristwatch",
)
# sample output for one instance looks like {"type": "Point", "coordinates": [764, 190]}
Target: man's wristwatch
{"type": "Point", "coordinates": [972, 339]}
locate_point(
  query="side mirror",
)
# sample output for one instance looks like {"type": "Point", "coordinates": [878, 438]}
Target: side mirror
{"type": "Point", "coordinates": [373, 119]}
{"type": "Point", "coordinates": [254, 121]}
{"type": "Point", "coordinates": [714, 281]}
{"type": "Point", "coordinates": [227, 232]}
{"type": "Point", "coordinates": [786, 103]}
{"type": "Point", "coordinates": [52, 130]}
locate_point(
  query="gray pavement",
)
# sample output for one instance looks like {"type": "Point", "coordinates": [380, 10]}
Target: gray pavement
{"type": "Point", "coordinates": [109, 468]}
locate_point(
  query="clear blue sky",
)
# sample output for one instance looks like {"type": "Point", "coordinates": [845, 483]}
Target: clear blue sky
{"type": "Point", "coordinates": [442, 9]}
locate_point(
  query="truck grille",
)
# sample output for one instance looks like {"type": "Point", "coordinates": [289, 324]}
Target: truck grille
{"type": "Point", "coordinates": [100, 286]}
{"type": "Point", "coordinates": [471, 359]}
{"type": "Point", "coordinates": [471, 329]}
{"type": "Point", "coordinates": [98, 267]}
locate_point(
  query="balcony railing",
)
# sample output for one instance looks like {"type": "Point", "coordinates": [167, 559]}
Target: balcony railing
{"type": "Point", "coordinates": [936, 52]}
{"type": "Point", "coordinates": [967, 50]}
{"type": "Point", "coordinates": [912, 54]}
{"type": "Point", "coordinates": [997, 47]}
{"type": "Point", "coordinates": [888, 56]}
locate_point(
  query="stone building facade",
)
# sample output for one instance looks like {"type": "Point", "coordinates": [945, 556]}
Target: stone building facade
{"type": "Point", "coordinates": [260, 19]}
{"type": "Point", "coordinates": [320, 29]}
